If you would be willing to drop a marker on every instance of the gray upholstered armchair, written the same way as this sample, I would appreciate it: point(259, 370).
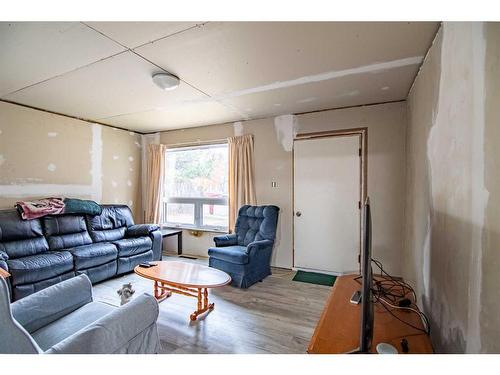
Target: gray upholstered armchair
point(246, 254)
point(63, 319)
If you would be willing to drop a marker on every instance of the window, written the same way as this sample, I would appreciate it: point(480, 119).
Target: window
point(196, 187)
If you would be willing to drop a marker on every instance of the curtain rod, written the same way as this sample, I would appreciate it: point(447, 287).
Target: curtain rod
point(196, 143)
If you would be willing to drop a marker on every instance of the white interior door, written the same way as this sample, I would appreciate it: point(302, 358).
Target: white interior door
point(326, 197)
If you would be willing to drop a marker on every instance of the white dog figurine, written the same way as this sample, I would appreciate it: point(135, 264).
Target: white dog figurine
point(125, 293)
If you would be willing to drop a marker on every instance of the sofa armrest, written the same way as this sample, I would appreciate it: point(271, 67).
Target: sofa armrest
point(140, 230)
point(50, 304)
point(226, 240)
point(258, 245)
point(114, 331)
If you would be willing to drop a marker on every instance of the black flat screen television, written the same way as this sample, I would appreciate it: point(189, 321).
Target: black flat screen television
point(366, 273)
point(366, 331)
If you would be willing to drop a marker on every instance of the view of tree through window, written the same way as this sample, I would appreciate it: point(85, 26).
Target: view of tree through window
point(196, 187)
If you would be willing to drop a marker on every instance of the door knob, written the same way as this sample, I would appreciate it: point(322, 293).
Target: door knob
point(298, 213)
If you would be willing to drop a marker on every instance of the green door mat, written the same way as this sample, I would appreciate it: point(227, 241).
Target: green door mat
point(314, 278)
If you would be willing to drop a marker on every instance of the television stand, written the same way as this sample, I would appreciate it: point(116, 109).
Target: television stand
point(338, 329)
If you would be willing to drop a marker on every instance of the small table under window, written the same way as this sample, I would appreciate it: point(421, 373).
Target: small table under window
point(168, 232)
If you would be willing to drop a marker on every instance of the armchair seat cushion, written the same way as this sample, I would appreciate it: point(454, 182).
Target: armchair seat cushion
point(58, 330)
point(38, 267)
point(93, 255)
point(232, 254)
point(133, 246)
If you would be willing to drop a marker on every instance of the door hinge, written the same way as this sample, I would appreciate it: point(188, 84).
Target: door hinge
point(359, 151)
point(359, 205)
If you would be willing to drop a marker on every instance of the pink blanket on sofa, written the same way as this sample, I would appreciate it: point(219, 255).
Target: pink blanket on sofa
point(42, 207)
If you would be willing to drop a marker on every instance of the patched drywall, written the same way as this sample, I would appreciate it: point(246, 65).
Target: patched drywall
point(273, 163)
point(121, 169)
point(447, 196)
point(286, 129)
point(44, 154)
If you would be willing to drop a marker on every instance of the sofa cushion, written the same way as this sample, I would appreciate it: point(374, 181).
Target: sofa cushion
point(21, 291)
point(232, 254)
point(111, 224)
point(39, 267)
point(65, 231)
point(133, 246)
point(93, 255)
point(100, 273)
point(127, 264)
point(19, 238)
point(57, 331)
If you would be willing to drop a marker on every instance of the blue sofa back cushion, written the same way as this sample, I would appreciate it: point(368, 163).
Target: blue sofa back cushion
point(111, 224)
point(66, 231)
point(256, 223)
point(19, 237)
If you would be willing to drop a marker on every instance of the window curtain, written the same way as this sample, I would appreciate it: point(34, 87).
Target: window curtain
point(155, 182)
point(241, 175)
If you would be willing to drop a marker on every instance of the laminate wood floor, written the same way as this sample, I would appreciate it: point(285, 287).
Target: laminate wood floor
point(277, 315)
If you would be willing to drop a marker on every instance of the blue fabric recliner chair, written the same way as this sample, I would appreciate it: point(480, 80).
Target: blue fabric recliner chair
point(246, 254)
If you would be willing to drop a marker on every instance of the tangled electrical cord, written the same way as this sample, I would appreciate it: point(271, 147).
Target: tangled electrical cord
point(390, 291)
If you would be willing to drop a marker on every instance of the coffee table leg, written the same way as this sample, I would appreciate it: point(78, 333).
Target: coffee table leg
point(203, 304)
point(160, 294)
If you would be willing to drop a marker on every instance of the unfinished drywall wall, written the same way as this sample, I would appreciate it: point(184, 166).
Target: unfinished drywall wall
point(273, 163)
point(44, 154)
point(489, 318)
point(447, 197)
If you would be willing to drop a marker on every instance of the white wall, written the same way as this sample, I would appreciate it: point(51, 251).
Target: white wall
point(273, 162)
point(451, 226)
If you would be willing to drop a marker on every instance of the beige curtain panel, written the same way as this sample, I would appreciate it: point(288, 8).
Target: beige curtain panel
point(241, 175)
point(155, 179)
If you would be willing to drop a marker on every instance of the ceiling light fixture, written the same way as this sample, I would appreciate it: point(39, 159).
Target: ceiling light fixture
point(166, 81)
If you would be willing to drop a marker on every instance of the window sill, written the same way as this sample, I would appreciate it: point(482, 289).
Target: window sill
point(208, 230)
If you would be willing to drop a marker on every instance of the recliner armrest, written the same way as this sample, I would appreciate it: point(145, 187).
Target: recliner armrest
point(50, 304)
point(115, 330)
point(256, 245)
point(140, 230)
point(226, 240)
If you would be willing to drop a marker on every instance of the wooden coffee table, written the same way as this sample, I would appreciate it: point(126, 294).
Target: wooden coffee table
point(188, 279)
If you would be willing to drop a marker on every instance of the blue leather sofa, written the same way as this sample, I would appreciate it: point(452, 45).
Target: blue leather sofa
point(246, 254)
point(42, 252)
point(63, 318)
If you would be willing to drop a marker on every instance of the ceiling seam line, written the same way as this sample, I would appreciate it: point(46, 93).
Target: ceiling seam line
point(132, 50)
point(63, 74)
point(227, 106)
point(170, 35)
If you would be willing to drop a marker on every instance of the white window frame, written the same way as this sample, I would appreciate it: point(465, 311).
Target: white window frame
point(198, 203)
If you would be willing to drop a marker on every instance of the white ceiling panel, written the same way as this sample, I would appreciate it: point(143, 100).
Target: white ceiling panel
point(250, 69)
point(184, 116)
point(35, 51)
point(133, 34)
point(360, 89)
point(229, 56)
point(119, 85)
